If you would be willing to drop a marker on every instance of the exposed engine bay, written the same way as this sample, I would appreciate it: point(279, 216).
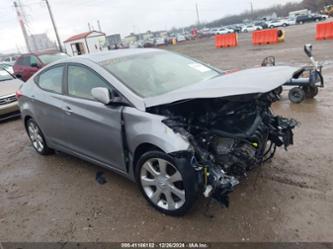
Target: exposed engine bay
point(229, 136)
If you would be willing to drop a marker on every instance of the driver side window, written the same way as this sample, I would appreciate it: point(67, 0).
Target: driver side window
point(33, 60)
point(81, 80)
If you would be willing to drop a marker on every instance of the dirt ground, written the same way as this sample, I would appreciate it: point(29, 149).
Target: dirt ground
point(56, 198)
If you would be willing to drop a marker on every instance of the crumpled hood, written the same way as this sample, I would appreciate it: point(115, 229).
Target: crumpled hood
point(255, 80)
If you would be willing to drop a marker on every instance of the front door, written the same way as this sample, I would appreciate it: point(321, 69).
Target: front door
point(30, 66)
point(92, 129)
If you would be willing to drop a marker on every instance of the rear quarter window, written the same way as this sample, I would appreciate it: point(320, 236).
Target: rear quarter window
point(51, 80)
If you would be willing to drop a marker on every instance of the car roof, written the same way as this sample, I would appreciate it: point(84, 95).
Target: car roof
point(103, 56)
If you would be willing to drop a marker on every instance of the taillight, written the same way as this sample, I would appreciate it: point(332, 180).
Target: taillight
point(18, 94)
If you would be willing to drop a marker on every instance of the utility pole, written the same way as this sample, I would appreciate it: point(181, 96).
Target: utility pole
point(89, 27)
point(252, 11)
point(99, 26)
point(54, 25)
point(197, 10)
point(24, 31)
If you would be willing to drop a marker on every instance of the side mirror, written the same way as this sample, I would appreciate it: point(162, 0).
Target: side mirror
point(34, 65)
point(101, 94)
point(308, 50)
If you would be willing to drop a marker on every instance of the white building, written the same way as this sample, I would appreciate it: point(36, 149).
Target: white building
point(40, 42)
point(85, 43)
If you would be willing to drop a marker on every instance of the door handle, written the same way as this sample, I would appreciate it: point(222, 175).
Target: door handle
point(67, 110)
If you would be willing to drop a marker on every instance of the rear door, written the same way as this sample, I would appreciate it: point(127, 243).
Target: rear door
point(19, 67)
point(47, 103)
point(91, 128)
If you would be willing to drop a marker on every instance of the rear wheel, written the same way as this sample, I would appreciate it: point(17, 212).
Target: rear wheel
point(310, 91)
point(37, 138)
point(167, 186)
point(296, 95)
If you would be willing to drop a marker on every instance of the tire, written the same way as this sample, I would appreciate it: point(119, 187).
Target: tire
point(37, 138)
point(310, 91)
point(168, 185)
point(296, 95)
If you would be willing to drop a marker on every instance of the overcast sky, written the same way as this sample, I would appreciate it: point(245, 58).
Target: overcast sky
point(116, 16)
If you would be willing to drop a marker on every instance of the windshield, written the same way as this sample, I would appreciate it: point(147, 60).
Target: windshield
point(4, 75)
point(156, 73)
point(49, 58)
point(5, 66)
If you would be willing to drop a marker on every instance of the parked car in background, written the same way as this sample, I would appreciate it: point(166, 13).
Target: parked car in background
point(160, 41)
point(205, 32)
point(291, 21)
point(222, 31)
point(236, 28)
point(180, 37)
point(277, 23)
point(310, 18)
point(177, 127)
point(10, 59)
point(28, 64)
point(8, 101)
point(6, 66)
point(251, 27)
point(261, 24)
point(149, 43)
point(213, 31)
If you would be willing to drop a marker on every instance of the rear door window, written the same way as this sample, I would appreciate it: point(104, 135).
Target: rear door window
point(20, 61)
point(51, 80)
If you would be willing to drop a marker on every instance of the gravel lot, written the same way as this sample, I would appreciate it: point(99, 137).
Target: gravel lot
point(56, 198)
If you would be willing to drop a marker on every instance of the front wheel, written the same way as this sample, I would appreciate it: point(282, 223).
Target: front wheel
point(169, 186)
point(296, 95)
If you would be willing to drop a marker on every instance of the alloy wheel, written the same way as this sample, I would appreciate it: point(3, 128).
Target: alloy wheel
point(163, 184)
point(36, 137)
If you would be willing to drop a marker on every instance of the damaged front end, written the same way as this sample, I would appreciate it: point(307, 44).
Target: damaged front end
point(229, 136)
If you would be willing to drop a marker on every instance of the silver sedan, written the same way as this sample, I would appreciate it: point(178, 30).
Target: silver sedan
point(176, 126)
